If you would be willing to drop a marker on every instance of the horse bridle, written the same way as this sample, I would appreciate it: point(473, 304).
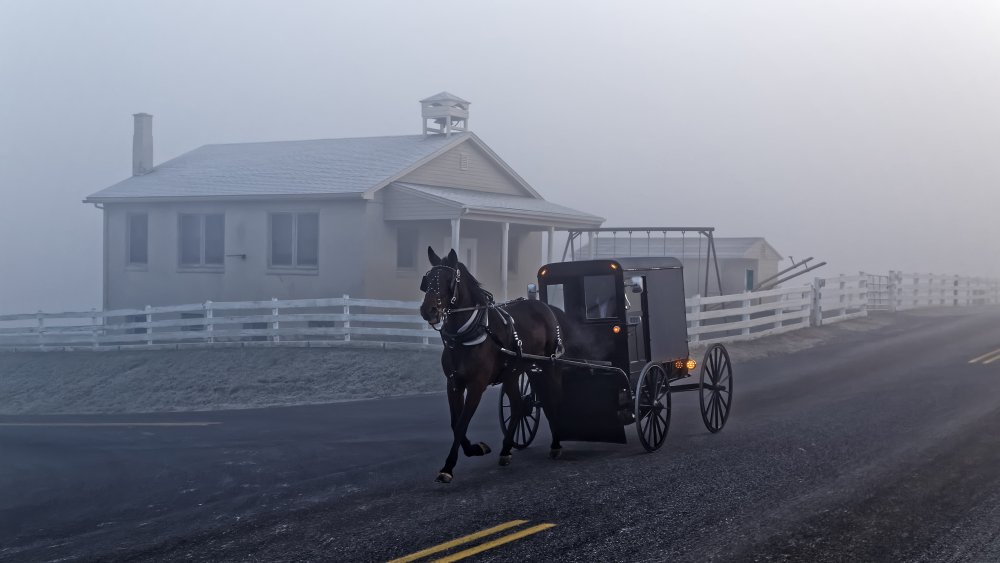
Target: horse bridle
point(433, 283)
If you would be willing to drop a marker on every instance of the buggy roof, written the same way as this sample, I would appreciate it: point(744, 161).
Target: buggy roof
point(648, 263)
point(587, 267)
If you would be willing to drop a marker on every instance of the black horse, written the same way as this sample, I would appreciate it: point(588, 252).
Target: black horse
point(483, 343)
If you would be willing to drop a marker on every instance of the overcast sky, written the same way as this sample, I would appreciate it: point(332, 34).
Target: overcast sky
point(862, 133)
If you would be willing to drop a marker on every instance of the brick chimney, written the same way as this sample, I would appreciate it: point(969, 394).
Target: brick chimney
point(142, 144)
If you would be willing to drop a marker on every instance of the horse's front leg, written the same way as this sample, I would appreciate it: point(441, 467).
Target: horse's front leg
point(460, 427)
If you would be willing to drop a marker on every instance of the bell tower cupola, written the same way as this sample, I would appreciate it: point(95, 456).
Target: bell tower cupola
point(444, 114)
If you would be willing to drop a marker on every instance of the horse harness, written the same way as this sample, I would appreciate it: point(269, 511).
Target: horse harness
point(476, 330)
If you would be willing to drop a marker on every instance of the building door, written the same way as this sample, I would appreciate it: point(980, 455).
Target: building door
point(467, 253)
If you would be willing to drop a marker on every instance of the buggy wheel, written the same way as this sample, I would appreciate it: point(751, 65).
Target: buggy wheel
point(715, 388)
point(652, 407)
point(522, 419)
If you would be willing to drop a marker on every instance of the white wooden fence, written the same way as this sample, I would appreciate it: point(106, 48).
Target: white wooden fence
point(386, 324)
point(300, 322)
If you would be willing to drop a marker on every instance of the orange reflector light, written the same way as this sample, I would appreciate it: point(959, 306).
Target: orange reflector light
point(691, 364)
point(679, 364)
point(616, 329)
point(544, 271)
point(614, 266)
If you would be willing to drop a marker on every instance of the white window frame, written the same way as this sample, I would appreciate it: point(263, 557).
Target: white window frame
point(294, 266)
point(201, 266)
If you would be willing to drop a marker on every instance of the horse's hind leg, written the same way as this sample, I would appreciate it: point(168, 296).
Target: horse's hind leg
point(554, 399)
point(516, 412)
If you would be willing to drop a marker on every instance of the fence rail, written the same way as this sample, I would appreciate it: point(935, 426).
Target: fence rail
point(373, 322)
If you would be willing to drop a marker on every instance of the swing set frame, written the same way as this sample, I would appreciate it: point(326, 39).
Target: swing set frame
point(704, 234)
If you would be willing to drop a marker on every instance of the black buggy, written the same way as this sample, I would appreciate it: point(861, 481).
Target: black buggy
point(626, 330)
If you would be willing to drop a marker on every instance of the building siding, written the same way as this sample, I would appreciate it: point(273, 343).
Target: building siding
point(402, 205)
point(163, 282)
point(482, 172)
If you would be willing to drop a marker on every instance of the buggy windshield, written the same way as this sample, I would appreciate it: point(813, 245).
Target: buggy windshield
point(600, 296)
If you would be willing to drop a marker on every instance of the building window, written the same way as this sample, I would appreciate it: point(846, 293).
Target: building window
point(463, 161)
point(202, 239)
point(294, 240)
point(138, 239)
point(750, 279)
point(406, 248)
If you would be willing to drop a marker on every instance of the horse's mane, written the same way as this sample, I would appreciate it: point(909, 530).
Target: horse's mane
point(480, 296)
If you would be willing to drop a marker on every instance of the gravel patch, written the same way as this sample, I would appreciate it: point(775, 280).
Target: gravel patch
point(209, 379)
point(798, 340)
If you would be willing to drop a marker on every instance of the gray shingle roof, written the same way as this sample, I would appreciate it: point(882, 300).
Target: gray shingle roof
point(494, 202)
point(283, 168)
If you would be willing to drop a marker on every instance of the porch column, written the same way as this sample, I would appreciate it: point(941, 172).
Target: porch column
point(456, 227)
point(552, 245)
point(504, 248)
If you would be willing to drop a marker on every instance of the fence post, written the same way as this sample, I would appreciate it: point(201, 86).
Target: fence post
point(891, 287)
point(863, 289)
point(149, 329)
point(695, 308)
point(779, 313)
point(746, 312)
point(274, 320)
point(41, 330)
point(93, 327)
point(347, 318)
point(209, 324)
point(817, 302)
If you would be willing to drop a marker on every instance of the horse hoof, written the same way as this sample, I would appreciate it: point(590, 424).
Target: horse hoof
point(555, 453)
point(485, 448)
point(443, 478)
point(504, 460)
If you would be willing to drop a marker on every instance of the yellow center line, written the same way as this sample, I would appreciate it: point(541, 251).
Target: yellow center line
point(491, 544)
point(984, 356)
point(99, 424)
point(464, 539)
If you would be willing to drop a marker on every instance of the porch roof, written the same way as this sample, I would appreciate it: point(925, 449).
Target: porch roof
point(455, 203)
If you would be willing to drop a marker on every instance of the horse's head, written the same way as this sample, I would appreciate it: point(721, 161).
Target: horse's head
point(440, 286)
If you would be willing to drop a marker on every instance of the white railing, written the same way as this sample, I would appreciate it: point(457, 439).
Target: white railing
point(748, 315)
point(382, 323)
point(908, 291)
point(300, 322)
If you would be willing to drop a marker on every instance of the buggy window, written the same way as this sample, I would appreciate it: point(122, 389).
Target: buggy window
point(555, 296)
point(600, 297)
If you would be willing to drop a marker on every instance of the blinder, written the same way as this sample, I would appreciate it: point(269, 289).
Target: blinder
point(425, 283)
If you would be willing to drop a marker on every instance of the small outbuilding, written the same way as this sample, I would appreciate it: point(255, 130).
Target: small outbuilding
point(743, 261)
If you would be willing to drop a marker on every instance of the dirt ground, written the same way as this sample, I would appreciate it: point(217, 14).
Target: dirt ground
point(180, 380)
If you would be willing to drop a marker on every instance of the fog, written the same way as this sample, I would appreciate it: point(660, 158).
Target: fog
point(864, 134)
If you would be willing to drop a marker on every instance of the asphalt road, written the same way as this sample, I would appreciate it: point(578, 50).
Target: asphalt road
point(876, 446)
